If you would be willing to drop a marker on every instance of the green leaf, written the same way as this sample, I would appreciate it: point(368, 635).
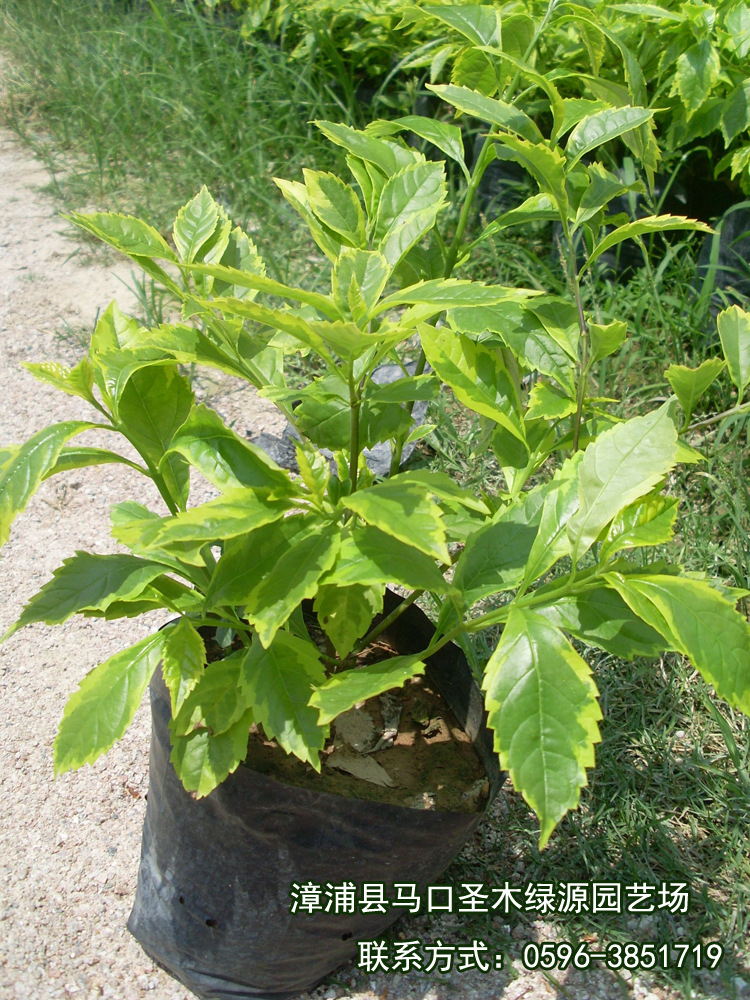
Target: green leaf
point(346, 689)
point(549, 402)
point(546, 166)
point(184, 655)
point(389, 156)
point(560, 319)
point(294, 578)
point(250, 557)
point(362, 274)
point(346, 613)
point(632, 69)
point(448, 293)
point(575, 110)
point(696, 74)
point(102, 708)
point(88, 581)
point(601, 618)
point(235, 512)
point(603, 187)
point(224, 458)
point(441, 485)
point(475, 374)
point(649, 521)
point(525, 333)
point(240, 254)
point(596, 129)
point(735, 113)
point(488, 109)
point(474, 70)
point(537, 208)
point(154, 404)
point(26, 468)
point(125, 233)
point(734, 331)
point(277, 682)
point(314, 470)
point(336, 206)
point(404, 390)
point(561, 502)
point(284, 320)
point(737, 23)
point(738, 160)
point(370, 557)
point(495, 555)
point(272, 569)
point(446, 137)
point(479, 23)
point(370, 180)
point(325, 417)
point(297, 196)
point(542, 705)
point(623, 464)
point(202, 760)
point(544, 82)
point(650, 224)
point(137, 527)
point(689, 384)
point(78, 381)
point(114, 369)
point(195, 224)
point(7, 453)
point(701, 623)
point(216, 700)
point(408, 206)
point(231, 281)
point(402, 509)
point(605, 340)
point(79, 458)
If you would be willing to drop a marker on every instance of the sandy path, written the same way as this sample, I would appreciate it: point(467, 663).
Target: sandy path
point(69, 848)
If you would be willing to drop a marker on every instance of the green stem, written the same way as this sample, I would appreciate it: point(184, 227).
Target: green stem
point(718, 417)
point(355, 401)
point(483, 161)
point(584, 334)
point(386, 622)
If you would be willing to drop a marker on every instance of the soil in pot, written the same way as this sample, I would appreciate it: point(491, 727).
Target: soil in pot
point(405, 748)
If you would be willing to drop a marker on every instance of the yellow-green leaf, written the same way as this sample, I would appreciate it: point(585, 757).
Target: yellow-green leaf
point(277, 682)
point(405, 511)
point(340, 692)
point(102, 708)
point(184, 659)
point(542, 706)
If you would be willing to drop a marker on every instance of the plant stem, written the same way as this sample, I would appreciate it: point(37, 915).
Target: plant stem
point(484, 159)
point(387, 621)
point(583, 330)
point(718, 417)
point(355, 401)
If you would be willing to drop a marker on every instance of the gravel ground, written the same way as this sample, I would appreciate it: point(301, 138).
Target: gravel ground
point(70, 847)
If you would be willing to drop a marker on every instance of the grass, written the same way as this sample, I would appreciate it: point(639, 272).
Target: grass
point(144, 98)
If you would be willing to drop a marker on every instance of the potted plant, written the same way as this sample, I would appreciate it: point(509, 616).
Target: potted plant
point(249, 576)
